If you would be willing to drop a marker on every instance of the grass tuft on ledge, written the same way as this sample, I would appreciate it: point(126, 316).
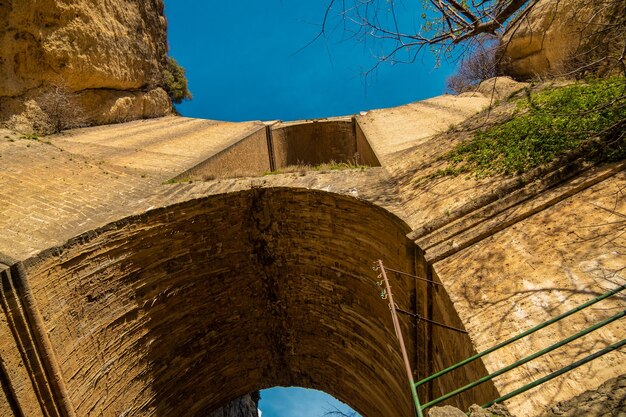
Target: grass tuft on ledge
point(329, 166)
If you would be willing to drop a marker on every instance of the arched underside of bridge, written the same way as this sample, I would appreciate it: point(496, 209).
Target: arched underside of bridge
point(178, 311)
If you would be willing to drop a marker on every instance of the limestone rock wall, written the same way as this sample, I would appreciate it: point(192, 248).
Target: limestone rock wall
point(559, 36)
point(112, 52)
point(245, 406)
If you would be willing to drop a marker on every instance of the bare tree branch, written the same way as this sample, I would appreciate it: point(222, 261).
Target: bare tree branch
point(444, 23)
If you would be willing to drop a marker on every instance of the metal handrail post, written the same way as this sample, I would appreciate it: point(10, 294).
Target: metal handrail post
point(398, 330)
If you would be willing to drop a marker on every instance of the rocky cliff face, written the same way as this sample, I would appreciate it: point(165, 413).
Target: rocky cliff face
point(246, 406)
point(109, 54)
point(561, 36)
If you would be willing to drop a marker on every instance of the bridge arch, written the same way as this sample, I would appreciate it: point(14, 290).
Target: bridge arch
point(184, 308)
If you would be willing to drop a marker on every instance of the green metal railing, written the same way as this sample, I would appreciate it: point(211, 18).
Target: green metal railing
point(420, 408)
point(561, 371)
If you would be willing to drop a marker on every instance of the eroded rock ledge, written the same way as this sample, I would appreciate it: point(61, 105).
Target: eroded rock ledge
point(110, 55)
point(558, 37)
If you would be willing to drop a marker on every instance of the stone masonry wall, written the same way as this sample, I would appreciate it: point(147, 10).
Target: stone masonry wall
point(179, 311)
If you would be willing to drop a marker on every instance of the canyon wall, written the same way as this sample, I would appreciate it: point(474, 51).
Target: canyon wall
point(107, 57)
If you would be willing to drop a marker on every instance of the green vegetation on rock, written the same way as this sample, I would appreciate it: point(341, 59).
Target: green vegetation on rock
point(586, 118)
point(175, 82)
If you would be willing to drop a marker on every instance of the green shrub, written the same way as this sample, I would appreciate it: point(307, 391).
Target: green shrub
point(175, 82)
point(589, 118)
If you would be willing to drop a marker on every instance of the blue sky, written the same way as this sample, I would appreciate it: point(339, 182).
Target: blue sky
point(298, 402)
point(242, 62)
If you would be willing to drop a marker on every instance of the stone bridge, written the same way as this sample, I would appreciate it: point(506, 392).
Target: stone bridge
point(152, 269)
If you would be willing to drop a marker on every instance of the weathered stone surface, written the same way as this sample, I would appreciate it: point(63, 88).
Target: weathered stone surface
point(500, 88)
point(543, 265)
point(114, 52)
point(558, 36)
point(445, 411)
point(154, 309)
point(112, 106)
point(91, 176)
point(609, 399)
point(241, 407)
point(496, 410)
point(402, 128)
point(118, 45)
point(159, 320)
point(292, 146)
